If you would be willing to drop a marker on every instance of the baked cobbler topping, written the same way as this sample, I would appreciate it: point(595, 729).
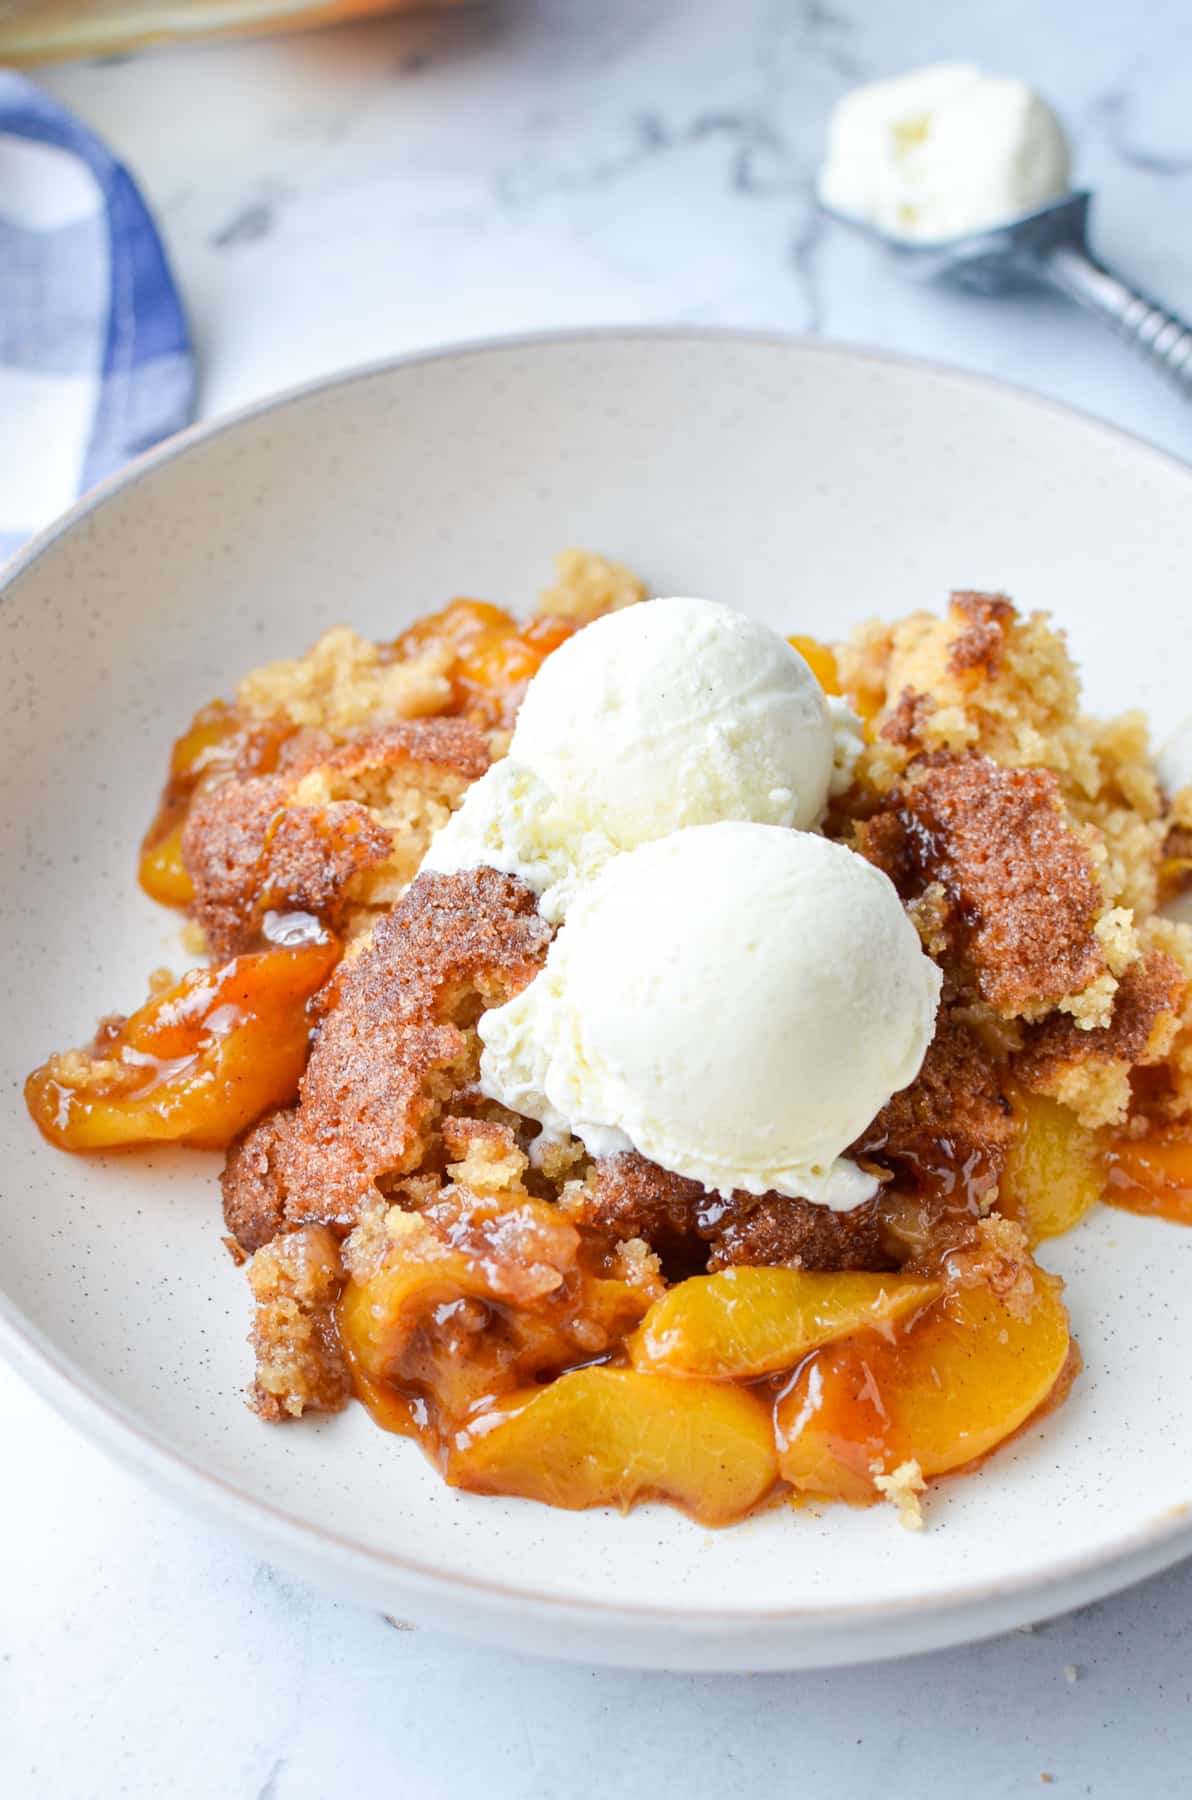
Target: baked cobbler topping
point(493, 1103)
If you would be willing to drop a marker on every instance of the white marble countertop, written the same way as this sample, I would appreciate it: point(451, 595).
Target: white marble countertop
point(344, 196)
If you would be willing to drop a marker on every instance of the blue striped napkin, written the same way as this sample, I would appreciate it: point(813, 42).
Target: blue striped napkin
point(95, 359)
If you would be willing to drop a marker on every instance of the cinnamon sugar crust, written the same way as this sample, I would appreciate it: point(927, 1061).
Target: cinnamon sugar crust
point(905, 723)
point(301, 838)
point(397, 1043)
point(252, 1181)
point(1019, 882)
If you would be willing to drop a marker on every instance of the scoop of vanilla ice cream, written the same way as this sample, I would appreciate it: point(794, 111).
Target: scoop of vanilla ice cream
point(510, 820)
point(677, 712)
point(734, 1001)
point(943, 151)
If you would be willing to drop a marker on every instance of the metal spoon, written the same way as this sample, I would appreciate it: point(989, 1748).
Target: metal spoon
point(1048, 247)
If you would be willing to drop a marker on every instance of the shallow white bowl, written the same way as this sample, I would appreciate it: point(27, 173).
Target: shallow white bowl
point(811, 486)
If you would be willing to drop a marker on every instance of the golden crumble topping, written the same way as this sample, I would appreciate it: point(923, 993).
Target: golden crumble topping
point(345, 682)
point(587, 585)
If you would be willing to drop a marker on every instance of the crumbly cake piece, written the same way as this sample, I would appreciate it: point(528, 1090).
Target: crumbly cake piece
point(397, 1042)
point(346, 683)
point(1164, 1093)
point(484, 1156)
point(904, 1488)
point(1090, 1070)
point(983, 678)
point(300, 1366)
point(1071, 809)
point(1021, 901)
point(587, 585)
point(776, 1232)
point(979, 646)
point(957, 1100)
point(691, 1230)
point(337, 832)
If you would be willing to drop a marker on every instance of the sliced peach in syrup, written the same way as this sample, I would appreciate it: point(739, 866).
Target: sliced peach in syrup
point(1054, 1170)
point(611, 1437)
point(475, 1299)
point(492, 656)
point(195, 1065)
point(963, 1379)
point(380, 1320)
point(742, 1323)
point(1153, 1174)
point(421, 1326)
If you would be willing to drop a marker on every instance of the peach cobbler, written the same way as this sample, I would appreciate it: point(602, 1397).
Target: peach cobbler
point(648, 1052)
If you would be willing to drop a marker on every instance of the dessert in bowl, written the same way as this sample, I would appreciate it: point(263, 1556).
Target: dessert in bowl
point(648, 1051)
point(809, 488)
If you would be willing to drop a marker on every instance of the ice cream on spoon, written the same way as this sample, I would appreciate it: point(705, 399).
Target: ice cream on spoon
point(943, 151)
point(964, 179)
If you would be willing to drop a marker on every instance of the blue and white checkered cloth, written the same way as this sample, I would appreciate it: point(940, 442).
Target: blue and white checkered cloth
point(95, 361)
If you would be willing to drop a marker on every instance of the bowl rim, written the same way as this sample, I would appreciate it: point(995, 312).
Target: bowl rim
point(117, 1429)
point(205, 430)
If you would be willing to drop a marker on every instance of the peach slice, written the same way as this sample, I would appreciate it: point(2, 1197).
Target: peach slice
point(1054, 1170)
point(610, 1437)
point(968, 1374)
point(195, 1065)
point(821, 659)
point(742, 1323)
point(492, 656)
point(162, 872)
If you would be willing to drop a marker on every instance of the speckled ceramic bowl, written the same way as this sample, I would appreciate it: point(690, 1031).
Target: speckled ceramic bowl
point(810, 486)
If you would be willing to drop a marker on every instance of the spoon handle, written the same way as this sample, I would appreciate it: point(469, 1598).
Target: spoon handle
point(1162, 337)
